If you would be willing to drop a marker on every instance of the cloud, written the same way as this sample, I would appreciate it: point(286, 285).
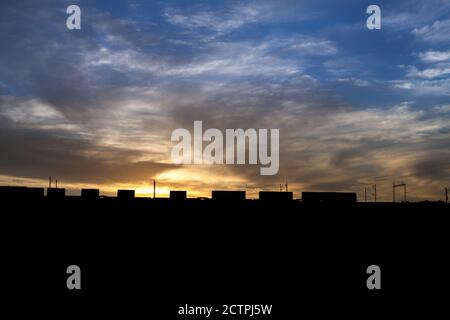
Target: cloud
point(433, 168)
point(354, 81)
point(432, 80)
point(349, 149)
point(37, 154)
point(435, 87)
point(428, 73)
point(214, 21)
point(220, 22)
point(435, 56)
point(404, 15)
point(314, 46)
point(436, 32)
point(31, 112)
point(346, 67)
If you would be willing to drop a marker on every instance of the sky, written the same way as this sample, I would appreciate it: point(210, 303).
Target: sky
point(355, 107)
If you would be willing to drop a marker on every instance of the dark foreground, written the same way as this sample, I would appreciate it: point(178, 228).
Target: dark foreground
point(149, 257)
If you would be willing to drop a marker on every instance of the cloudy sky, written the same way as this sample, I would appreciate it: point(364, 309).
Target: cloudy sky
point(96, 107)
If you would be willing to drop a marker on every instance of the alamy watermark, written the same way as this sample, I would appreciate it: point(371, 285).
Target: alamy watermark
point(190, 150)
point(374, 20)
point(74, 280)
point(73, 22)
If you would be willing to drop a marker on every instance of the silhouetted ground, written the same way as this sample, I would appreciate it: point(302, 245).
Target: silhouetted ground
point(158, 254)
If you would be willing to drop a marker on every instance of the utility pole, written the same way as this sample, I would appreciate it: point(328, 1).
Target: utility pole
point(56, 183)
point(154, 188)
point(404, 190)
point(446, 195)
point(375, 186)
point(281, 187)
point(365, 194)
point(49, 182)
point(286, 185)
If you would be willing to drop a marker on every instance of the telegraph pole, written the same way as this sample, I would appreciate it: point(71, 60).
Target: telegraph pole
point(154, 188)
point(375, 186)
point(446, 195)
point(365, 194)
point(404, 190)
